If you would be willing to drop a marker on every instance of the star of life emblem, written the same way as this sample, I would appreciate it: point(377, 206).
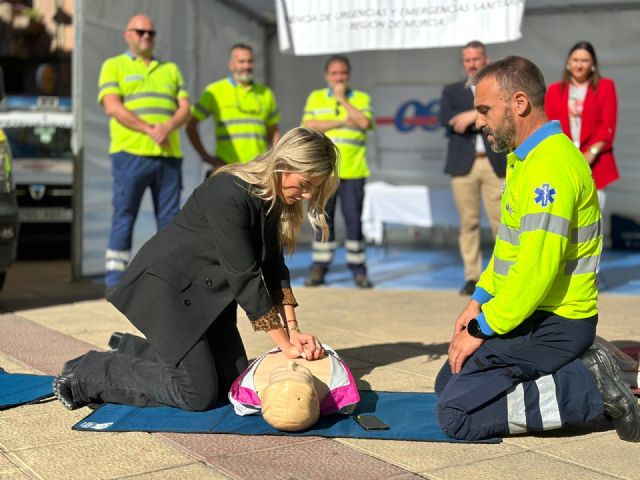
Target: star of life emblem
point(544, 195)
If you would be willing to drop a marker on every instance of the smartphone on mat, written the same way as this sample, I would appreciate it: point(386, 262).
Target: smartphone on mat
point(370, 422)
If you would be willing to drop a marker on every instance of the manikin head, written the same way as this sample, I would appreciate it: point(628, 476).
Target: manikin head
point(290, 401)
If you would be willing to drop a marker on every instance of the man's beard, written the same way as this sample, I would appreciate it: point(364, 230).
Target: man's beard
point(244, 77)
point(504, 137)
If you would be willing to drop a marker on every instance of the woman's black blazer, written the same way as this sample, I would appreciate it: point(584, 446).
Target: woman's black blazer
point(222, 246)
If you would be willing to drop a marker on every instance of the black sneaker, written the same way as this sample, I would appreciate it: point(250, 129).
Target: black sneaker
point(315, 278)
point(468, 288)
point(362, 281)
point(619, 403)
point(62, 391)
point(62, 385)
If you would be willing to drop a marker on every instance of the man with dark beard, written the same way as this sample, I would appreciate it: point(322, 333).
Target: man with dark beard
point(521, 358)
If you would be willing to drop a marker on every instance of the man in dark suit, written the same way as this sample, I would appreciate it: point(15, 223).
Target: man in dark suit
point(476, 171)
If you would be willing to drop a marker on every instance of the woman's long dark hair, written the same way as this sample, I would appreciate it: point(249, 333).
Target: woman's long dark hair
point(594, 78)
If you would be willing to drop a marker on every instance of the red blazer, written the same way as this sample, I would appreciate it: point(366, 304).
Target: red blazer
point(599, 117)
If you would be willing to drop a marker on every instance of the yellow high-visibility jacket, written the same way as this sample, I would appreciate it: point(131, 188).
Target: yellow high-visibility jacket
point(151, 92)
point(351, 141)
point(550, 237)
point(242, 117)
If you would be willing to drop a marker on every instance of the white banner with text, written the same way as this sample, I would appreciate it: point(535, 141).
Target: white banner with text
point(313, 27)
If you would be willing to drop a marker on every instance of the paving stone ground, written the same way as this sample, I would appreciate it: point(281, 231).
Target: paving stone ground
point(393, 340)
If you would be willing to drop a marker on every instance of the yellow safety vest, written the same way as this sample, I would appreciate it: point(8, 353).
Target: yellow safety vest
point(241, 115)
point(550, 237)
point(151, 92)
point(351, 141)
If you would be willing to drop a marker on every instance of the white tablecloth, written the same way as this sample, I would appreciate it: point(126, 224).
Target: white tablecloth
point(403, 205)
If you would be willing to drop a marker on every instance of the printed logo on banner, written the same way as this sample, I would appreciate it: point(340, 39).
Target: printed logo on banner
point(410, 140)
point(414, 114)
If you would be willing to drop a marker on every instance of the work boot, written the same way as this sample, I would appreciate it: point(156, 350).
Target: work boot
point(315, 278)
point(468, 288)
point(619, 402)
point(362, 281)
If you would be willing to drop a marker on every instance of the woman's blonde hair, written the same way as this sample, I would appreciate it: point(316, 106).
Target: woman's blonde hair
point(302, 150)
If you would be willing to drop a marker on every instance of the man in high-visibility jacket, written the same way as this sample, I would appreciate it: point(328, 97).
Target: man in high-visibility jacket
point(521, 358)
point(245, 113)
point(345, 116)
point(147, 102)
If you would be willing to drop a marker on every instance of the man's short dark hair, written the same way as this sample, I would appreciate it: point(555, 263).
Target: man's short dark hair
point(515, 74)
point(240, 46)
point(475, 44)
point(337, 58)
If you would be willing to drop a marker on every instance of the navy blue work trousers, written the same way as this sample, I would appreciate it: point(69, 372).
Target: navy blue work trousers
point(528, 380)
point(351, 196)
point(132, 175)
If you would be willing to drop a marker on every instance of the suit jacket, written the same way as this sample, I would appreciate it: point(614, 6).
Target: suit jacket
point(222, 246)
point(461, 151)
point(599, 117)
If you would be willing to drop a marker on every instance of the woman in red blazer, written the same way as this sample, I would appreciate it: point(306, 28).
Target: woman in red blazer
point(587, 105)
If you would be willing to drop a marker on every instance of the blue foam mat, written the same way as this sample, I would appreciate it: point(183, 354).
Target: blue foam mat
point(21, 388)
point(410, 416)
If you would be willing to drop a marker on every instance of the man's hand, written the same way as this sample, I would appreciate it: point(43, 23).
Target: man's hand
point(339, 90)
point(160, 132)
point(462, 346)
point(462, 121)
point(472, 310)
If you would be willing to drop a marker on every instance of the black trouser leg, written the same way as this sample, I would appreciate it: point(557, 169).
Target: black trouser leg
point(204, 374)
point(139, 347)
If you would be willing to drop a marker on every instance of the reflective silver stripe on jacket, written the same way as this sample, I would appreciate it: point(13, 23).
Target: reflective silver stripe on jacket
point(545, 221)
point(586, 233)
point(319, 111)
point(501, 266)
point(582, 265)
point(136, 96)
point(109, 84)
point(201, 109)
point(349, 129)
point(242, 135)
point(153, 110)
point(239, 121)
point(508, 234)
point(349, 141)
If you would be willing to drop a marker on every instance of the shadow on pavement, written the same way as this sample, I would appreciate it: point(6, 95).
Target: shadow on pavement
point(382, 354)
point(44, 283)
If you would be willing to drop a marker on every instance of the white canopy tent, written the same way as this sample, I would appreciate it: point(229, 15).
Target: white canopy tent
point(197, 34)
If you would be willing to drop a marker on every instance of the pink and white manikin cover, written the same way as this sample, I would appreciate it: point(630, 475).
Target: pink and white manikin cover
point(343, 395)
